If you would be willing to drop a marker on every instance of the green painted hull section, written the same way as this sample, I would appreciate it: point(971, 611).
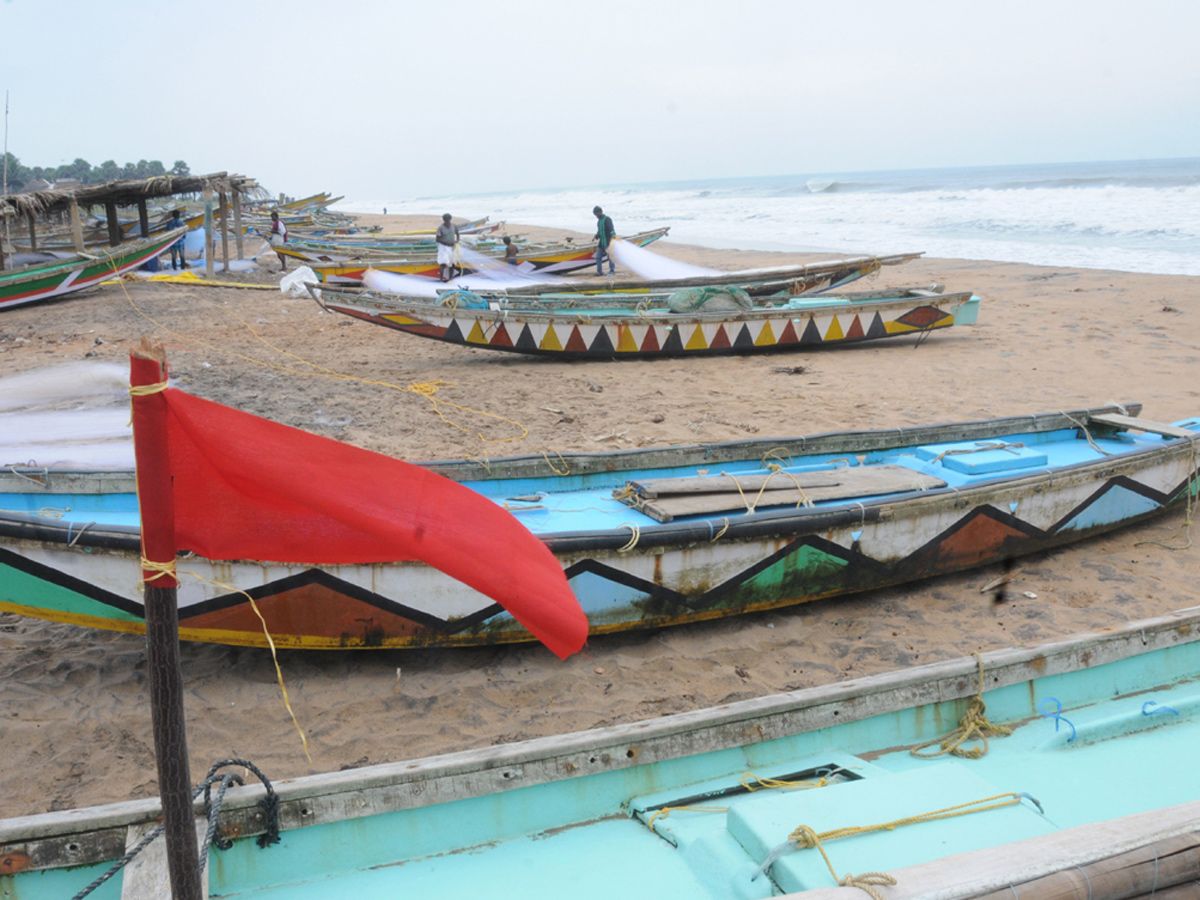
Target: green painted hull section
point(22, 589)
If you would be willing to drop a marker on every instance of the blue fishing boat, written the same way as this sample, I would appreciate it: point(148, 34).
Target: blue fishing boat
point(1056, 771)
point(647, 538)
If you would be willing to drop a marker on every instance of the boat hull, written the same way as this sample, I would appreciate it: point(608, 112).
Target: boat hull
point(584, 334)
point(694, 804)
point(44, 282)
point(626, 577)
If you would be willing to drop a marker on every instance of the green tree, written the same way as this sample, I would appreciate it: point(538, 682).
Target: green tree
point(108, 170)
point(181, 169)
point(18, 175)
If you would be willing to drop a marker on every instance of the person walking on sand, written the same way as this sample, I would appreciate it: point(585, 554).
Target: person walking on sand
point(447, 245)
point(177, 247)
point(278, 237)
point(604, 238)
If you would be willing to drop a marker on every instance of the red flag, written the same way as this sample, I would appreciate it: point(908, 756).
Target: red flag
point(248, 488)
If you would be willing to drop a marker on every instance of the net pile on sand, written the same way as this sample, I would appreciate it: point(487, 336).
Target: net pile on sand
point(71, 416)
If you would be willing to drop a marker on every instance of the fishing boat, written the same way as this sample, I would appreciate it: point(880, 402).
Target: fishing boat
point(647, 538)
point(549, 258)
point(804, 278)
point(57, 276)
point(689, 322)
point(1064, 770)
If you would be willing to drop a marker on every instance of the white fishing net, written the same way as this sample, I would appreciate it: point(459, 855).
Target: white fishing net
point(651, 266)
point(491, 276)
point(74, 415)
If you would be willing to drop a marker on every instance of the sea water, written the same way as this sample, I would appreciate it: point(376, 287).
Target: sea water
point(1135, 215)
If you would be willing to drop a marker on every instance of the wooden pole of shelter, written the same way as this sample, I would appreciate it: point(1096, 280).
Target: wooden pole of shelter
point(114, 226)
point(143, 218)
point(147, 369)
point(237, 223)
point(208, 230)
point(76, 227)
point(223, 202)
point(32, 232)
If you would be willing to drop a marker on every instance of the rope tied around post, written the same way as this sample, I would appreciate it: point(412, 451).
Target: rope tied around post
point(212, 810)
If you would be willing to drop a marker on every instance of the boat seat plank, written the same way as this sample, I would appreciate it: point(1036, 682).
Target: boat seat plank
point(1131, 422)
point(670, 498)
point(147, 874)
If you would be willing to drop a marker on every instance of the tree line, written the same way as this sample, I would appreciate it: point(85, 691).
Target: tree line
point(22, 176)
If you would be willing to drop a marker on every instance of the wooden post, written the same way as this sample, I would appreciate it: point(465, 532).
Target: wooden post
point(114, 227)
point(32, 233)
point(223, 200)
point(76, 227)
point(143, 218)
point(237, 223)
point(208, 230)
point(151, 452)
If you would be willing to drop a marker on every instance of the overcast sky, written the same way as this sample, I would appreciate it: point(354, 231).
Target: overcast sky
point(410, 98)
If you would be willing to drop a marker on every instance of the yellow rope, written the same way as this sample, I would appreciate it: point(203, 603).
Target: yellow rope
point(160, 569)
point(752, 782)
point(274, 655)
point(633, 541)
point(805, 837)
point(974, 725)
point(667, 810)
point(566, 470)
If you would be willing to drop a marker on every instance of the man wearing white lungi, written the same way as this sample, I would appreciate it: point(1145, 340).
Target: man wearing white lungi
point(447, 243)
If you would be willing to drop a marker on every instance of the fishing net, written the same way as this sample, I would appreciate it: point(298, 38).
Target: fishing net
point(711, 298)
point(651, 266)
point(74, 416)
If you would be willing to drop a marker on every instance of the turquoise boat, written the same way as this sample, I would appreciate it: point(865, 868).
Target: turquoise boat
point(1085, 784)
point(647, 538)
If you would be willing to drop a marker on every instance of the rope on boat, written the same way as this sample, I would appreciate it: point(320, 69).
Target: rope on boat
point(270, 642)
point(212, 811)
point(1082, 426)
point(980, 447)
point(633, 541)
point(805, 837)
point(41, 481)
point(974, 725)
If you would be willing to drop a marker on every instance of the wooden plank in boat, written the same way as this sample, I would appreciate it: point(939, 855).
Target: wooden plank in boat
point(843, 484)
point(1131, 422)
point(872, 479)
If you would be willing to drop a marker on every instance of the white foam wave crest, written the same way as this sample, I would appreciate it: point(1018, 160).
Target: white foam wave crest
point(653, 266)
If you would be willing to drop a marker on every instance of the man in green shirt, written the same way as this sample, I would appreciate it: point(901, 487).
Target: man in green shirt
point(604, 238)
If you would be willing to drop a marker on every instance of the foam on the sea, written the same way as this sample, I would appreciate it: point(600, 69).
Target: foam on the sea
point(1136, 216)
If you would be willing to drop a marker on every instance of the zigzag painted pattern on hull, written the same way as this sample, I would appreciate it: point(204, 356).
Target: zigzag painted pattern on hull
point(653, 338)
point(318, 609)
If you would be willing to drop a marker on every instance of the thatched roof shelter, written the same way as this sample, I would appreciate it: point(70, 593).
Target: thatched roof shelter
point(130, 192)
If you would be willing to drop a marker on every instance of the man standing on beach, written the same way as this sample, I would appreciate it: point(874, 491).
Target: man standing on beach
point(177, 247)
point(278, 237)
point(447, 243)
point(604, 238)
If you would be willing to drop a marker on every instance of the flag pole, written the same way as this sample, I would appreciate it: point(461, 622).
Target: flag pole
point(147, 378)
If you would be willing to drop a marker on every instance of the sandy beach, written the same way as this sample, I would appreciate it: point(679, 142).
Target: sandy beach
point(74, 713)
